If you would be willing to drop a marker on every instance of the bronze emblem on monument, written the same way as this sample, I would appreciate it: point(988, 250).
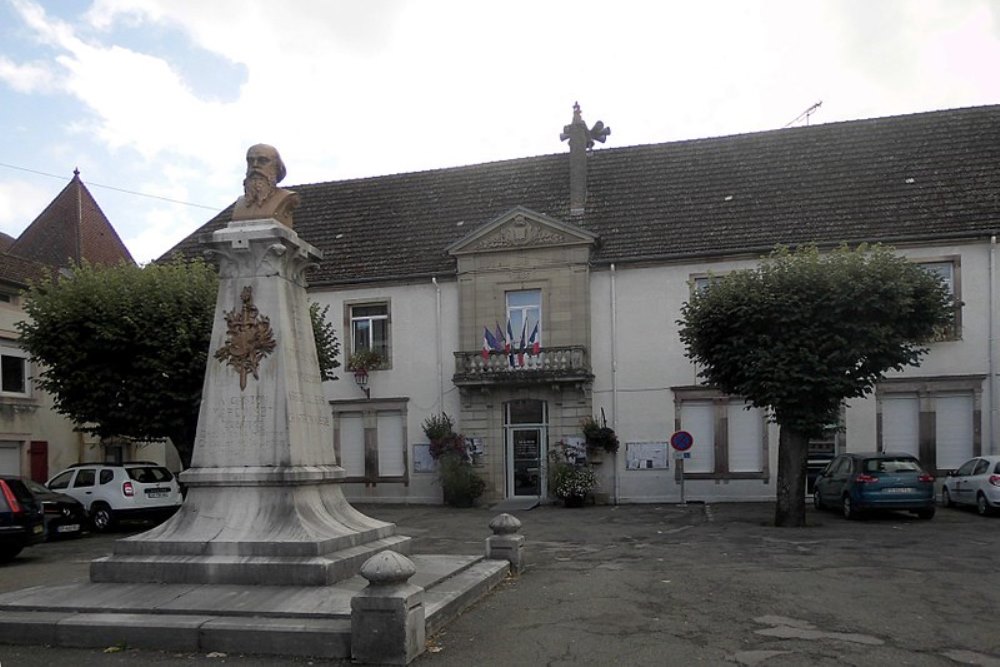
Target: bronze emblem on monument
point(249, 340)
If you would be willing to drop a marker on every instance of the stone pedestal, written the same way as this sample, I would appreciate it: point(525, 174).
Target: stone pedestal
point(387, 617)
point(505, 543)
point(264, 504)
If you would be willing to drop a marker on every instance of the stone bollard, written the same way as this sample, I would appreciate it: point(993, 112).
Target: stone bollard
point(387, 616)
point(506, 544)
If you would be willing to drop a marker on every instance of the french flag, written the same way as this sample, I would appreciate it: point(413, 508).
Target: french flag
point(501, 341)
point(533, 342)
point(489, 343)
point(509, 345)
point(521, 348)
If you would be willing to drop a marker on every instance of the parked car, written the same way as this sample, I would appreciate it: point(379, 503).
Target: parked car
point(858, 482)
point(64, 515)
point(112, 492)
point(976, 482)
point(21, 521)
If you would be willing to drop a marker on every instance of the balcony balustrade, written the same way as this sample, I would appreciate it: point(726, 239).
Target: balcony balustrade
point(550, 365)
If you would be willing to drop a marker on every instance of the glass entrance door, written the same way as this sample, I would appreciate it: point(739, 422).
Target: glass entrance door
point(526, 461)
point(526, 429)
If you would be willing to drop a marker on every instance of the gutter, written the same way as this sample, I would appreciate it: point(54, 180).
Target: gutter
point(991, 293)
point(614, 378)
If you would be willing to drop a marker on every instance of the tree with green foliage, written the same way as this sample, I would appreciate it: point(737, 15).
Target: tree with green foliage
point(122, 350)
point(804, 332)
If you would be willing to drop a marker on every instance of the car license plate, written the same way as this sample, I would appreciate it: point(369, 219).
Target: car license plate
point(156, 494)
point(68, 528)
point(898, 490)
point(38, 529)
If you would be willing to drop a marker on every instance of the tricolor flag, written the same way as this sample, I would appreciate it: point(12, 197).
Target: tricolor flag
point(509, 346)
point(489, 343)
point(521, 347)
point(501, 341)
point(533, 342)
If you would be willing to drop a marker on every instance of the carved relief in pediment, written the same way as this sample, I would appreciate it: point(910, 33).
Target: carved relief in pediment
point(520, 232)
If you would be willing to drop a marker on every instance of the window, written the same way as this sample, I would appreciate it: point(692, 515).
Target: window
point(370, 441)
point(730, 440)
point(947, 270)
point(85, 478)
point(933, 419)
point(524, 313)
point(13, 372)
point(61, 481)
point(370, 329)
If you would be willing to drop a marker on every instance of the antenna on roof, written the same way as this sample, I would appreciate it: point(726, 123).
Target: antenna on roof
point(805, 114)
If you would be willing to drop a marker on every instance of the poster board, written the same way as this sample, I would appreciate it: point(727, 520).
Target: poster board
point(422, 459)
point(647, 456)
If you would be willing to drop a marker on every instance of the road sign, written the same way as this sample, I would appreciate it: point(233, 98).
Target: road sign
point(681, 441)
point(680, 456)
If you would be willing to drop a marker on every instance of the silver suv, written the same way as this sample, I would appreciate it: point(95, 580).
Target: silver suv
point(114, 491)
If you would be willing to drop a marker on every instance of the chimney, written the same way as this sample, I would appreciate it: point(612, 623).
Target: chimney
point(581, 140)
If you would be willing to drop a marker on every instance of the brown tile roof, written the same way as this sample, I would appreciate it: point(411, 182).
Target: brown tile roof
point(16, 271)
point(902, 178)
point(70, 229)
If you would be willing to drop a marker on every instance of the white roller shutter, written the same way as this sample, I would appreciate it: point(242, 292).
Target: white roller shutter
point(352, 444)
point(954, 430)
point(698, 419)
point(746, 438)
point(10, 457)
point(901, 424)
point(391, 462)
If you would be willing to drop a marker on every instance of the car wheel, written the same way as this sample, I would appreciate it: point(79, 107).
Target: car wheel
point(102, 517)
point(946, 498)
point(982, 506)
point(847, 507)
point(9, 553)
point(926, 514)
point(817, 503)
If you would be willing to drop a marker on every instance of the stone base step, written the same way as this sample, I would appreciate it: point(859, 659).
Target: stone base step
point(270, 620)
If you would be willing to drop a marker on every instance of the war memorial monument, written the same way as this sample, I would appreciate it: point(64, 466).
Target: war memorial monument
point(265, 555)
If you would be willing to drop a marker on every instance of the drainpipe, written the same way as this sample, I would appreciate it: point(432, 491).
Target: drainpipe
point(614, 375)
point(437, 336)
point(994, 399)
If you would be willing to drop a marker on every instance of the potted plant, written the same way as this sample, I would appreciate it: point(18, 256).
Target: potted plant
point(461, 485)
point(599, 436)
point(570, 480)
point(363, 361)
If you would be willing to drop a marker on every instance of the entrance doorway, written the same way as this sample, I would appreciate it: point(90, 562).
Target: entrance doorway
point(526, 427)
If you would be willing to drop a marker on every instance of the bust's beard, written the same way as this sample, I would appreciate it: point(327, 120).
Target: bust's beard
point(257, 189)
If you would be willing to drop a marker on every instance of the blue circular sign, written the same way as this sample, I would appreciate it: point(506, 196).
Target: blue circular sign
point(681, 441)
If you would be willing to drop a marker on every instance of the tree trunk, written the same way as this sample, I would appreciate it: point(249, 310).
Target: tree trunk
point(793, 455)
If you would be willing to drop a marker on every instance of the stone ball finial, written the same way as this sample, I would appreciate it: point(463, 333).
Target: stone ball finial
point(387, 568)
point(505, 524)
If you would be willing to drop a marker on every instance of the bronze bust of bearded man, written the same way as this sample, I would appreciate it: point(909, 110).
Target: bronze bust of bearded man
point(262, 197)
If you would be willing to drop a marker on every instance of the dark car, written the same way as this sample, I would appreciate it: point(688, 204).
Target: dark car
point(64, 515)
point(859, 482)
point(21, 521)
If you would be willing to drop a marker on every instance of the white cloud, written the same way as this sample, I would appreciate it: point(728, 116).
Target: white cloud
point(27, 77)
point(20, 203)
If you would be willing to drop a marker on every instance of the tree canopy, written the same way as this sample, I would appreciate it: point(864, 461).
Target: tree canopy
point(806, 331)
point(123, 349)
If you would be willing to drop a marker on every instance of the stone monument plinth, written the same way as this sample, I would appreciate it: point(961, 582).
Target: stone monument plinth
point(264, 504)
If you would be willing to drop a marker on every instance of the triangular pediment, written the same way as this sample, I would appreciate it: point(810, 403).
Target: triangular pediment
point(521, 228)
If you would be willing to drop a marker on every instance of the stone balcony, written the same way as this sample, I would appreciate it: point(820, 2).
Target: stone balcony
point(552, 365)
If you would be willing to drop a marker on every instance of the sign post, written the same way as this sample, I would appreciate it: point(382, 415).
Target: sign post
point(681, 441)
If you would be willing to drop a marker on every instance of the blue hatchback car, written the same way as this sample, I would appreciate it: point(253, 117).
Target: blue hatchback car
point(858, 482)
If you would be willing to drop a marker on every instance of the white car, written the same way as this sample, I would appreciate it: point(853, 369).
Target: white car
point(976, 482)
point(114, 491)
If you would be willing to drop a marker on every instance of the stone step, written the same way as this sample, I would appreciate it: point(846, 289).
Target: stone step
point(270, 620)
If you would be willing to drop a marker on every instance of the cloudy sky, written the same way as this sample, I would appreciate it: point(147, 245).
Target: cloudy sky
point(163, 97)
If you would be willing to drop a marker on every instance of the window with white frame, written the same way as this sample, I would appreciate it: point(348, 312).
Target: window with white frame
point(934, 419)
point(524, 314)
point(948, 271)
point(369, 324)
point(730, 437)
point(14, 367)
point(370, 440)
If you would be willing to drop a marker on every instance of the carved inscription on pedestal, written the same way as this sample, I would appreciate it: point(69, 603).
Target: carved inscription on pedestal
point(248, 340)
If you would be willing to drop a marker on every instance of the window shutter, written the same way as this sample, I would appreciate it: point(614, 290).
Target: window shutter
point(746, 438)
point(391, 461)
point(901, 424)
point(954, 430)
point(352, 444)
point(698, 419)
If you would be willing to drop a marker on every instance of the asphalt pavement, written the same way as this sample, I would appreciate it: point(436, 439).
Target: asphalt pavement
point(667, 585)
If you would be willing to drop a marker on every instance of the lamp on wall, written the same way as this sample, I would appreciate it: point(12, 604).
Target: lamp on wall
point(361, 379)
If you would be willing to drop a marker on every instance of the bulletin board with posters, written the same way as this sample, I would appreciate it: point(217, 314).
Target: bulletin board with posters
point(647, 456)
